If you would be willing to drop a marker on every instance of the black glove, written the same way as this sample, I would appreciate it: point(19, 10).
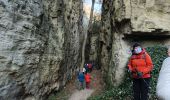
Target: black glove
point(139, 74)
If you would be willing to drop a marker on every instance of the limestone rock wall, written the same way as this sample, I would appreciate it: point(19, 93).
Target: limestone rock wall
point(127, 21)
point(106, 37)
point(144, 15)
point(40, 42)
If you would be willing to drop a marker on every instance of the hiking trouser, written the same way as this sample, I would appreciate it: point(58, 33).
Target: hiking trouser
point(87, 85)
point(141, 88)
point(81, 84)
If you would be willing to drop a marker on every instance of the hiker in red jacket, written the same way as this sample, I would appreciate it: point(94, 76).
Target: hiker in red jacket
point(90, 67)
point(88, 80)
point(140, 65)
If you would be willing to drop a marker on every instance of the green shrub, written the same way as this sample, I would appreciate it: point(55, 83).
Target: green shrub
point(124, 91)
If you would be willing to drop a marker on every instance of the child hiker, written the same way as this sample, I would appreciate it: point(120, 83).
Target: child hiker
point(81, 80)
point(88, 80)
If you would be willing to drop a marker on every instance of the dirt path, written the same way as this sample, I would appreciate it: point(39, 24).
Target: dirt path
point(71, 91)
point(81, 95)
point(96, 87)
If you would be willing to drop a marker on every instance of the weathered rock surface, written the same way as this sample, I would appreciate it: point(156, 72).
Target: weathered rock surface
point(144, 15)
point(126, 21)
point(41, 41)
point(39, 46)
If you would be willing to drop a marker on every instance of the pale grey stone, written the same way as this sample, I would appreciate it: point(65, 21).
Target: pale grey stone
point(39, 46)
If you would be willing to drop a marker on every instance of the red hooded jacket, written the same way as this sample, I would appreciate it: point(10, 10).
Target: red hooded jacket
point(142, 63)
point(87, 77)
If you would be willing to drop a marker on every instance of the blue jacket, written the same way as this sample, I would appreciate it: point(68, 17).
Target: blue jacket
point(81, 77)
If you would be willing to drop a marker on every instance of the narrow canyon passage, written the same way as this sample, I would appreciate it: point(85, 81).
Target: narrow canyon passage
point(43, 43)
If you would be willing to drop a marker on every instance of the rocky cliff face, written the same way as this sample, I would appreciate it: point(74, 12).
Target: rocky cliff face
point(127, 21)
point(39, 46)
point(41, 41)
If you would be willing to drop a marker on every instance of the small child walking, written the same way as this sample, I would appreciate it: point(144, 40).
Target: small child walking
point(81, 80)
point(88, 80)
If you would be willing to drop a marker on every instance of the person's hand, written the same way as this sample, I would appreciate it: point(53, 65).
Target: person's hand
point(139, 74)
